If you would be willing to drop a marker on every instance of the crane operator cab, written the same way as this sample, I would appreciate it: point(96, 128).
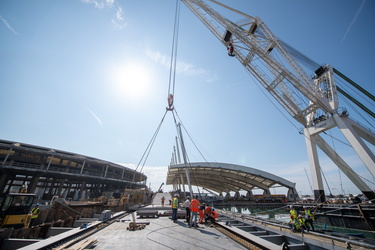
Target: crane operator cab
point(230, 49)
point(15, 210)
point(228, 39)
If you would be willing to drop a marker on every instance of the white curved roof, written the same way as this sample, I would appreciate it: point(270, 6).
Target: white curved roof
point(224, 177)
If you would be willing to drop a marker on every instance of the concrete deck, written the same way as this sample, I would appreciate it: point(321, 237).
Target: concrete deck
point(161, 233)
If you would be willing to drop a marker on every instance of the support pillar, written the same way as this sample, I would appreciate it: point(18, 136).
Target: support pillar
point(183, 185)
point(315, 168)
point(81, 191)
point(62, 182)
point(10, 184)
point(3, 182)
point(33, 184)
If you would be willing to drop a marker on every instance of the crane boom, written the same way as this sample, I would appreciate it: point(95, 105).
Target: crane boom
point(264, 56)
point(302, 96)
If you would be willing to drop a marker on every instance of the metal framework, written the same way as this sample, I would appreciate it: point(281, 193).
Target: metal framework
point(302, 96)
point(49, 172)
point(225, 178)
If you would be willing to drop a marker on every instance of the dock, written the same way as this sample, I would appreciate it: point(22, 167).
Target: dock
point(151, 227)
point(160, 233)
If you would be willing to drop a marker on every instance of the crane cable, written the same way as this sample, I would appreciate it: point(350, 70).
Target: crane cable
point(146, 153)
point(151, 143)
point(171, 86)
point(172, 80)
point(173, 65)
point(188, 163)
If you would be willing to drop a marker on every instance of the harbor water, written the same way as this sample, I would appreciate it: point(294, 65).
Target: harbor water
point(281, 214)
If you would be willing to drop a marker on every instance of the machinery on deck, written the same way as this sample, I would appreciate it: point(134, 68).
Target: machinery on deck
point(15, 210)
point(160, 190)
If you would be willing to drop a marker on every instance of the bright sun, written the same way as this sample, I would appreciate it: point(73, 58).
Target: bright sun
point(131, 80)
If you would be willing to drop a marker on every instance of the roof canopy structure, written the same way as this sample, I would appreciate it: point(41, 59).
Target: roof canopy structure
point(224, 177)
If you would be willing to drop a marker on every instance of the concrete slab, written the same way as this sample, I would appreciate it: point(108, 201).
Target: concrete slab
point(161, 233)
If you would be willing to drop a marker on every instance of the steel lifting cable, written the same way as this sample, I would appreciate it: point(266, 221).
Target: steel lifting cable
point(183, 149)
point(148, 149)
point(173, 65)
point(175, 114)
point(151, 143)
point(195, 145)
point(171, 85)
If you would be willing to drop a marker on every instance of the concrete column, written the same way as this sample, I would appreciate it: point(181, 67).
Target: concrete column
point(315, 167)
point(183, 185)
point(51, 187)
point(249, 194)
point(67, 190)
point(237, 195)
point(3, 182)
point(33, 184)
point(266, 192)
point(61, 186)
point(81, 190)
point(227, 196)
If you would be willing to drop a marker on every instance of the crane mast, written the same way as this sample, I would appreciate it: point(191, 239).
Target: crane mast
point(301, 95)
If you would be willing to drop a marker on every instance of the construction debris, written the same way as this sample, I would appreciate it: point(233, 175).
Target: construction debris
point(135, 226)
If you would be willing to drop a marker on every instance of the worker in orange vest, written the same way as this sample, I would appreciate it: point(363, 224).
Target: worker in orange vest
point(194, 208)
point(201, 212)
point(215, 215)
point(208, 214)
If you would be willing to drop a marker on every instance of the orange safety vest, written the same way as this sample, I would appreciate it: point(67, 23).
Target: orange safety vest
point(208, 210)
point(194, 205)
point(215, 215)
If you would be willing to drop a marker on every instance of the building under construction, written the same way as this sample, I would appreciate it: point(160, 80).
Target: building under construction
point(50, 172)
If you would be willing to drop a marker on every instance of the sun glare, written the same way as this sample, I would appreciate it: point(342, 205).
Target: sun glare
point(131, 80)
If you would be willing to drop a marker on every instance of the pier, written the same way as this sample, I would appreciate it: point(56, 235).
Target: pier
point(151, 227)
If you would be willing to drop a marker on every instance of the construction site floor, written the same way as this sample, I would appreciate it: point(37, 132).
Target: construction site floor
point(161, 233)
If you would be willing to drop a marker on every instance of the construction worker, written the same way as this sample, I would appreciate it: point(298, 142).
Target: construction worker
point(309, 218)
point(194, 208)
point(201, 213)
point(293, 218)
point(187, 209)
point(34, 215)
point(230, 49)
point(300, 224)
point(174, 208)
point(162, 201)
point(215, 215)
point(208, 214)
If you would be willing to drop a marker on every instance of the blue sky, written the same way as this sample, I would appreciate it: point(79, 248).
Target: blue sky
point(91, 77)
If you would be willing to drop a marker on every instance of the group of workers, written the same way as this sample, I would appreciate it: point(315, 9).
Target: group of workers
point(194, 209)
point(301, 222)
point(205, 213)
